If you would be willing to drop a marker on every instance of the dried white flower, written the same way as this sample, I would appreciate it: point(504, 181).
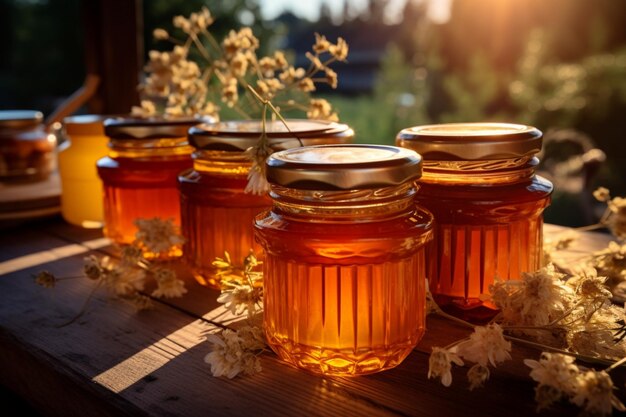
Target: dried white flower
point(235, 352)
point(160, 34)
point(477, 376)
point(617, 219)
point(594, 392)
point(602, 194)
point(46, 279)
point(123, 279)
point(157, 235)
point(169, 286)
point(555, 370)
point(485, 345)
point(92, 268)
point(440, 364)
point(240, 298)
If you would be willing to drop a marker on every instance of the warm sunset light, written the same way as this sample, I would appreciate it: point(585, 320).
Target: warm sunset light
point(383, 208)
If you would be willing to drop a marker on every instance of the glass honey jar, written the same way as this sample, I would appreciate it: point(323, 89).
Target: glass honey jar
point(139, 175)
point(216, 211)
point(479, 182)
point(81, 198)
point(345, 263)
point(26, 149)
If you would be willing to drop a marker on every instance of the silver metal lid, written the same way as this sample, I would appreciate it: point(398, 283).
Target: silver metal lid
point(20, 119)
point(471, 141)
point(239, 135)
point(343, 167)
point(150, 128)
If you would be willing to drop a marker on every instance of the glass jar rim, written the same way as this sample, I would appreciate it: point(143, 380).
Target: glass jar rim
point(471, 141)
point(137, 128)
point(239, 135)
point(20, 119)
point(85, 124)
point(343, 167)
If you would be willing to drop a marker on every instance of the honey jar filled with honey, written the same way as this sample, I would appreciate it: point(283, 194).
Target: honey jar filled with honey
point(216, 211)
point(479, 182)
point(26, 148)
point(140, 173)
point(345, 263)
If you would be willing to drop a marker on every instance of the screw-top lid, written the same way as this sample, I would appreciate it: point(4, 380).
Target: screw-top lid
point(471, 141)
point(239, 135)
point(343, 167)
point(150, 128)
point(19, 119)
point(85, 124)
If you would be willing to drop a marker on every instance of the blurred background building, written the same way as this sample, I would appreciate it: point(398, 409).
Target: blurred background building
point(559, 65)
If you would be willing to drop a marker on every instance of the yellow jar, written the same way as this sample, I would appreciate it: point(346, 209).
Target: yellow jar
point(140, 174)
point(216, 211)
point(345, 266)
point(479, 182)
point(26, 149)
point(81, 198)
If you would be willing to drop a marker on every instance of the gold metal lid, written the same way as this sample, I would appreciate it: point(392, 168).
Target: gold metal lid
point(471, 141)
point(20, 119)
point(239, 135)
point(343, 167)
point(85, 124)
point(150, 128)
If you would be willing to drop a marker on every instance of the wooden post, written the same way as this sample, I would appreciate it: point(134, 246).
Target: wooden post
point(113, 52)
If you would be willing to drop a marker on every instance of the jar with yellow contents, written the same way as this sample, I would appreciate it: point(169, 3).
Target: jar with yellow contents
point(81, 197)
point(344, 273)
point(216, 210)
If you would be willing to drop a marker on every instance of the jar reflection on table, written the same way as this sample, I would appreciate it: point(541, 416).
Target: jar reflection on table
point(81, 198)
point(140, 174)
point(26, 149)
point(345, 267)
point(479, 182)
point(217, 213)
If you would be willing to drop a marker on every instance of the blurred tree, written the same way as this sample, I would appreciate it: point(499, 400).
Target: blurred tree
point(42, 52)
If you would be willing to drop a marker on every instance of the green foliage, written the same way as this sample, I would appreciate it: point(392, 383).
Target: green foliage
point(398, 101)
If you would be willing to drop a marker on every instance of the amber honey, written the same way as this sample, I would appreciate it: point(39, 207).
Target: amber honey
point(344, 272)
point(479, 182)
point(217, 213)
point(140, 175)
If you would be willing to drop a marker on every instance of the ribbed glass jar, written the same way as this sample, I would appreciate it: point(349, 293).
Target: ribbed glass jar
point(345, 263)
point(479, 182)
point(216, 212)
point(81, 197)
point(26, 149)
point(140, 174)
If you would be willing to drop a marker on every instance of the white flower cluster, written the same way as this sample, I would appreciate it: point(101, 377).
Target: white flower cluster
point(235, 351)
point(559, 378)
point(176, 85)
point(486, 346)
point(157, 236)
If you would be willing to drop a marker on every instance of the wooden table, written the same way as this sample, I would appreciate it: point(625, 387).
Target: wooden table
point(114, 361)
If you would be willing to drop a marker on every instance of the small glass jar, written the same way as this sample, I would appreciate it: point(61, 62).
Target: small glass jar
point(479, 182)
point(26, 149)
point(345, 268)
point(216, 212)
point(140, 174)
point(81, 198)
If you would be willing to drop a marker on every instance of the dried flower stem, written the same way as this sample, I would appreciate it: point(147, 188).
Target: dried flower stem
point(83, 309)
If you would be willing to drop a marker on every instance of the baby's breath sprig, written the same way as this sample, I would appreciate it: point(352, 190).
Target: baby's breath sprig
point(568, 316)
point(126, 278)
point(235, 352)
point(199, 72)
